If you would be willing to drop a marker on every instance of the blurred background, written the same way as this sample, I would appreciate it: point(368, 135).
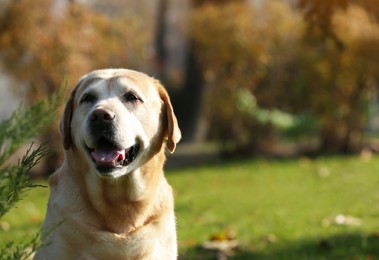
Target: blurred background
point(246, 77)
point(250, 80)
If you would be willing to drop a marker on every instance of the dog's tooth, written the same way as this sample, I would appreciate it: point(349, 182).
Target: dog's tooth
point(121, 156)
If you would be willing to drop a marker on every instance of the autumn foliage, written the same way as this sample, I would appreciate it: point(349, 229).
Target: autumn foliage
point(291, 59)
point(41, 43)
point(269, 68)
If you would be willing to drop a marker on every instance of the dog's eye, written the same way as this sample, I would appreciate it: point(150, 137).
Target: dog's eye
point(88, 98)
point(131, 97)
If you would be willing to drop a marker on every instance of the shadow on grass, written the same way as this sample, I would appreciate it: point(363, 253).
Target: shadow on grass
point(343, 246)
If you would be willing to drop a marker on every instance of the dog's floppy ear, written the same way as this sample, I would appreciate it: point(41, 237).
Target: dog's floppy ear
point(171, 125)
point(65, 125)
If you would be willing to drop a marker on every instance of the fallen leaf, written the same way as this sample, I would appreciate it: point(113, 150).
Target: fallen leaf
point(342, 220)
point(5, 226)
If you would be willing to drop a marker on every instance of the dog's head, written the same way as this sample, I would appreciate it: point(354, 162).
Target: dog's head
point(115, 118)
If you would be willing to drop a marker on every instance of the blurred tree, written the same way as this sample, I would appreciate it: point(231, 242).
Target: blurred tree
point(324, 68)
point(338, 57)
point(319, 14)
point(198, 3)
point(253, 52)
point(42, 41)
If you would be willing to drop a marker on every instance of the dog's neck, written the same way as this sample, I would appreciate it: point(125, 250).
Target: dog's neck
point(129, 202)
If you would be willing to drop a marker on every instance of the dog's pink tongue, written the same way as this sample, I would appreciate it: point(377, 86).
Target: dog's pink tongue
point(107, 157)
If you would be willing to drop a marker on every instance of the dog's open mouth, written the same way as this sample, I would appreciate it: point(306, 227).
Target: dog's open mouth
point(107, 156)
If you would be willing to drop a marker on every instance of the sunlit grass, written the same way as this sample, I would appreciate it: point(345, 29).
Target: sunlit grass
point(276, 209)
point(26, 218)
point(281, 209)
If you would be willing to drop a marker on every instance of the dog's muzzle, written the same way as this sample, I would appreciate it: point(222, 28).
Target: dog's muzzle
point(107, 154)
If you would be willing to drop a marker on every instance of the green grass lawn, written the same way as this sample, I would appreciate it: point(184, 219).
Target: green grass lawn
point(276, 209)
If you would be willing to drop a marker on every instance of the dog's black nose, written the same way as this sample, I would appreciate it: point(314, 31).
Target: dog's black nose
point(102, 116)
point(102, 123)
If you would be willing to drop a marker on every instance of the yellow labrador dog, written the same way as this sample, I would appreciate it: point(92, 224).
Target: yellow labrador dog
point(110, 193)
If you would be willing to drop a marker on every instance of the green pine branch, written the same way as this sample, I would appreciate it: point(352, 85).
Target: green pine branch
point(14, 179)
point(24, 250)
point(25, 123)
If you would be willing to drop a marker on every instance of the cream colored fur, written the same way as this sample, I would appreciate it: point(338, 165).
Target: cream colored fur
point(128, 213)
